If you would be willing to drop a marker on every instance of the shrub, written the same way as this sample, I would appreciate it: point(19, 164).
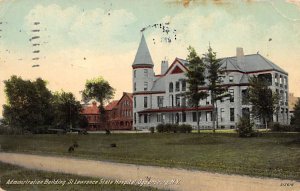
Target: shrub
point(151, 129)
point(7, 130)
point(185, 128)
point(160, 128)
point(282, 128)
point(168, 128)
point(175, 128)
point(244, 127)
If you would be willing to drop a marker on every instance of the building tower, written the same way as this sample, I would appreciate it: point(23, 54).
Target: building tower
point(143, 77)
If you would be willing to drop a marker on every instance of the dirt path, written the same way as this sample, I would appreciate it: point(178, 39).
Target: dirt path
point(189, 180)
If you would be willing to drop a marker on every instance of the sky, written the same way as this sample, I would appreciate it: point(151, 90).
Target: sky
point(80, 39)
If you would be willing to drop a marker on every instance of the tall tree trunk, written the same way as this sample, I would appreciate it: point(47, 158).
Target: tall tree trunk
point(102, 115)
point(198, 121)
point(213, 114)
point(266, 123)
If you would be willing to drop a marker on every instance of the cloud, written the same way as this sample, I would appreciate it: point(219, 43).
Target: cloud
point(74, 26)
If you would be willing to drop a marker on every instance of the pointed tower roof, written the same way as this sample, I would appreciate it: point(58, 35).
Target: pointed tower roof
point(143, 56)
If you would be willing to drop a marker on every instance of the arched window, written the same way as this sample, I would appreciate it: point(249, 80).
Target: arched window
point(171, 87)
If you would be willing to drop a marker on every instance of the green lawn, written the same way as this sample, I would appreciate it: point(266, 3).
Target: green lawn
point(271, 155)
point(9, 172)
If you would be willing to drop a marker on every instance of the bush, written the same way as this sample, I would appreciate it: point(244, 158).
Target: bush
point(282, 128)
point(168, 128)
point(40, 130)
point(245, 127)
point(7, 130)
point(184, 128)
point(160, 128)
point(151, 129)
point(175, 128)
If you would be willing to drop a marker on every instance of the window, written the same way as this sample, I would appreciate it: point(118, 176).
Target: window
point(230, 78)
point(231, 92)
point(183, 117)
point(183, 84)
point(145, 72)
point(276, 79)
point(222, 114)
point(245, 97)
point(280, 80)
point(134, 102)
point(171, 87)
point(177, 118)
point(266, 77)
point(177, 87)
point(134, 73)
point(145, 86)
point(221, 79)
point(246, 113)
point(145, 118)
point(183, 101)
point(231, 114)
point(134, 86)
point(140, 118)
point(207, 101)
point(285, 82)
point(171, 100)
point(208, 116)
point(194, 116)
point(160, 101)
point(159, 117)
point(177, 100)
point(145, 102)
point(134, 118)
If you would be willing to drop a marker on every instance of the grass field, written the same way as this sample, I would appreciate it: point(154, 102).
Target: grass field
point(271, 155)
point(9, 172)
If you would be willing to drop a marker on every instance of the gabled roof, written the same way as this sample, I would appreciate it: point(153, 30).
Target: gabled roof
point(111, 105)
point(90, 109)
point(126, 94)
point(143, 56)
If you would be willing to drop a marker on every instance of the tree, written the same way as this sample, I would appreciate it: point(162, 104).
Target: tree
point(83, 121)
point(264, 101)
point(296, 117)
point(100, 90)
point(27, 103)
point(196, 80)
point(214, 70)
point(66, 109)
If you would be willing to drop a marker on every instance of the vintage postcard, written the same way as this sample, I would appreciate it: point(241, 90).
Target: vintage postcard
point(150, 95)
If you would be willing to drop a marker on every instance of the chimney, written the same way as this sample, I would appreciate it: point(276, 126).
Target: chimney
point(240, 57)
point(164, 66)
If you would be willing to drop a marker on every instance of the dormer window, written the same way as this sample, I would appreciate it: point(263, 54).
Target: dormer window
point(230, 78)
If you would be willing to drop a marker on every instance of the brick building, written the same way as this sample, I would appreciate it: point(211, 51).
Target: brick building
point(91, 112)
point(119, 113)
